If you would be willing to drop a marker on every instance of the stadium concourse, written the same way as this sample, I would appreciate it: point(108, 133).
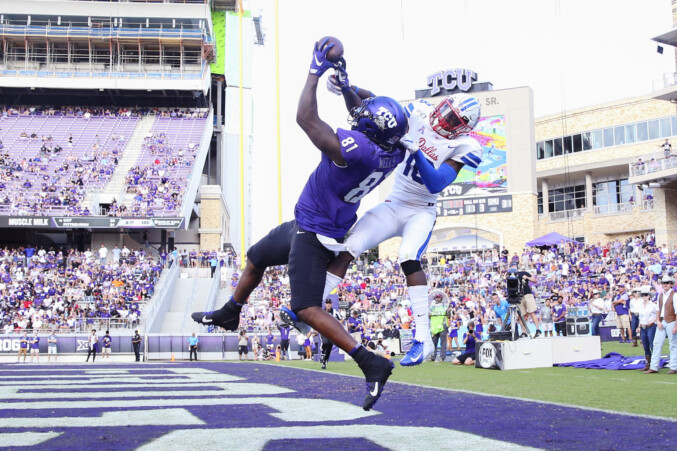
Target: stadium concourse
point(261, 406)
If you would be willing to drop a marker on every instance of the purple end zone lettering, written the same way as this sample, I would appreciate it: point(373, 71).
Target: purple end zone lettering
point(501, 419)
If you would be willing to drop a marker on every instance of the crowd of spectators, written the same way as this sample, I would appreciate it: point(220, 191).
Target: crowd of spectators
point(374, 301)
point(158, 184)
point(94, 111)
point(66, 290)
point(42, 187)
point(49, 182)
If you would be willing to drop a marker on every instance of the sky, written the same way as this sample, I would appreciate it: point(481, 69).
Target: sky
point(571, 53)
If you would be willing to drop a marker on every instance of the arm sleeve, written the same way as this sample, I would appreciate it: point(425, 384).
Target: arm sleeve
point(434, 179)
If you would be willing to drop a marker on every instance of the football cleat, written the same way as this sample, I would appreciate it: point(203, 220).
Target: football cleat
point(376, 371)
point(227, 316)
point(289, 317)
point(419, 352)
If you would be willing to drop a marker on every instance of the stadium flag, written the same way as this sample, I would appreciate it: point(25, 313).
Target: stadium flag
point(613, 361)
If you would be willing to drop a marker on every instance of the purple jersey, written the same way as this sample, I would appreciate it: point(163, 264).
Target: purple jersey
point(559, 310)
point(623, 307)
point(284, 332)
point(329, 202)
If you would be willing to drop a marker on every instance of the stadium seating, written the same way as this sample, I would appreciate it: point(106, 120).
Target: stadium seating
point(162, 172)
point(55, 183)
point(53, 159)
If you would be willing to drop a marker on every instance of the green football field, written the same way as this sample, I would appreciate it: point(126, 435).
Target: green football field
point(621, 391)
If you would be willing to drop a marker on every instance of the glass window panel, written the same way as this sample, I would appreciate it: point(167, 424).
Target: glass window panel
point(630, 133)
point(578, 144)
point(549, 152)
point(608, 137)
point(568, 148)
point(587, 140)
point(665, 127)
point(597, 139)
point(540, 150)
point(673, 120)
point(558, 146)
point(653, 130)
point(619, 135)
point(642, 131)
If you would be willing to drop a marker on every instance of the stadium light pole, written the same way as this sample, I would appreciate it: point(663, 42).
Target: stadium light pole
point(277, 114)
point(241, 139)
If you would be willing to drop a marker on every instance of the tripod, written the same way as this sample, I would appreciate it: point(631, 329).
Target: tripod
point(511, 319)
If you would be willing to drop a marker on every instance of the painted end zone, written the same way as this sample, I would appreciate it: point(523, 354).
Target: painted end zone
point(259, 406)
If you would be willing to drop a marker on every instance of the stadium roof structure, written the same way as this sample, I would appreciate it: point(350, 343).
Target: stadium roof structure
point(669, 38)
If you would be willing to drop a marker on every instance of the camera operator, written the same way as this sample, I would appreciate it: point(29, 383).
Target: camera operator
point(468, 357)
point(527, 302)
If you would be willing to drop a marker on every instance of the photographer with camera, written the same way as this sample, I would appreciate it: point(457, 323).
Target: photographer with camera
point(468, 357)
point(527, 303)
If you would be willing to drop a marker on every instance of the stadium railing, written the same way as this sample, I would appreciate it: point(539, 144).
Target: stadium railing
point(70, 31)
point(196, 175)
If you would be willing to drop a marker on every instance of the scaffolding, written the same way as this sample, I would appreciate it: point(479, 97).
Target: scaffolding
point(102, 47)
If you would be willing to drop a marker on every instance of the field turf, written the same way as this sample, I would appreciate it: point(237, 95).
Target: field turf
point(627, 391)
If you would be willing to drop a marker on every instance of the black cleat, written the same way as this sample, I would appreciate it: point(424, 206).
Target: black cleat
point(227, 316)
point(538, 333)
point(376, 371)
point(324, 366)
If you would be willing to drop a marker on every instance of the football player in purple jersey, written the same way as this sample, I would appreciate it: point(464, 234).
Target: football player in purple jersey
point(353, 163)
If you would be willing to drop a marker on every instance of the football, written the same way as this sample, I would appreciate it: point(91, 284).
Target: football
point(337, 51)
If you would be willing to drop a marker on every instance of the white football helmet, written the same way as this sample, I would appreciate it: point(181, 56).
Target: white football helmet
point(455, 115)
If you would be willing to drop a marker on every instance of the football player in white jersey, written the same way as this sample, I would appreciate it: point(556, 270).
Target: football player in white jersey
point(439, 147)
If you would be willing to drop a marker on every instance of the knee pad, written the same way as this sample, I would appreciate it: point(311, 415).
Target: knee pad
point(410, 267)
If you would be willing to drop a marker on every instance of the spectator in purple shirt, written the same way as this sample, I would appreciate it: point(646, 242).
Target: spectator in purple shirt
point(559, 316)
point(621, 303)
point(35, 348)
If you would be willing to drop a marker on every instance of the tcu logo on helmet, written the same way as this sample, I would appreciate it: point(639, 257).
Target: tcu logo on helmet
point(390, 120)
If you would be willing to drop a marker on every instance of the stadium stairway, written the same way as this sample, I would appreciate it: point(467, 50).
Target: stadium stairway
point(116, 185)
point(190, 294)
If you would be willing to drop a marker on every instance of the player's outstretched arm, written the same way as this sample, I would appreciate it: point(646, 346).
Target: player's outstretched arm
point(433, 179)
point(307, 116)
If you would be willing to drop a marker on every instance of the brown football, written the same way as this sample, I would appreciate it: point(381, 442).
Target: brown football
point(337, 51)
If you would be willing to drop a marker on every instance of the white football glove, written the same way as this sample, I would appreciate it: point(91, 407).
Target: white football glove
point(409, 144)
point(332, 85)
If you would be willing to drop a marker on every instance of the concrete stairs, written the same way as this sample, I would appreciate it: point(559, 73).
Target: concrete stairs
point(115, 186)
point(190, 294)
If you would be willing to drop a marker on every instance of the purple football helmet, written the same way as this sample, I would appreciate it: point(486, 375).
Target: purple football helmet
point(382, 119)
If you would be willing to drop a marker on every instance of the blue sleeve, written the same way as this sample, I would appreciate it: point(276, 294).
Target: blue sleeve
point(434, 179)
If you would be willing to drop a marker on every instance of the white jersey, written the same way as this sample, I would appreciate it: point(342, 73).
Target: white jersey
point(465, 149)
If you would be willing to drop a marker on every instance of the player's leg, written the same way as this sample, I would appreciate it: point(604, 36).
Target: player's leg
point(415, 239)
point(375, 226)
point(326, 352)
point(443, 345)
point(308, 262)
point(271, 250)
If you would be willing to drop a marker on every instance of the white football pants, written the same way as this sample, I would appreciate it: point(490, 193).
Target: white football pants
point(389, 219)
